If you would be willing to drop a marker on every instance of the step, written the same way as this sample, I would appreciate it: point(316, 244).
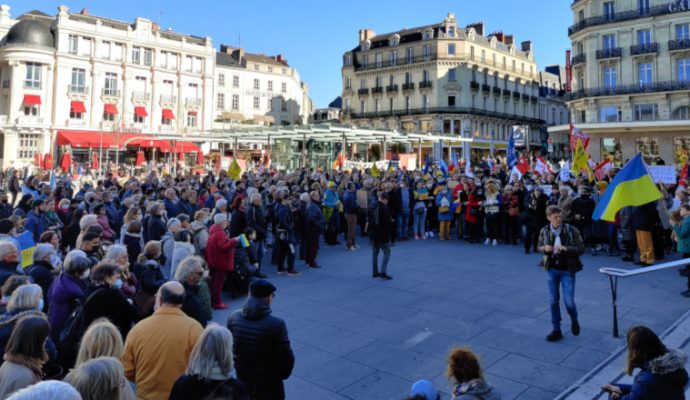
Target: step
point(611, 370)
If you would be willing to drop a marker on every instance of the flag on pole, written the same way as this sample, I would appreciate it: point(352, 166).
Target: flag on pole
point(564, 175)
point(454, 164)
point(235, 171)
point(427, 165)
point(601, 169)
point(468, 168)
point(632, 186)
point(575, 135)
point(375, 171)
point(683, 177)
point(541, 167)
point(581, 161)
point(444, 168)
point(515, 175)
point(26, 247)
point(523, 165)
point(511, 155)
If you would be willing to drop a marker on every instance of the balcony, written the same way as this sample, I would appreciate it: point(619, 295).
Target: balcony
point(111, 93)
point(395, 63)
point(496, 90)
point(27, 120)
point(672, 7)
point(425, 85)
point(167, 128)
point(448, 110)
point(377, 90)
point(678, 44)
point(516, 95)
point(192, 102)
point(408, 86)
point(392, 88)
point(77, 89)
point(77, 123)
point(141, 96)
point(525, 97)
point(168, 99)
point(486, 89)
point(506, 93)
point(363, 91)
point(533, 99)
point(191, 130)
point(578, 59)
point(647, 48)
point(667, 86)
point(614, 52)
point(474, 85)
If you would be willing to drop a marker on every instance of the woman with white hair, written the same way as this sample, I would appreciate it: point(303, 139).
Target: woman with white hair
point(118, 254)
point(66, 289)
point(98, 379)
point(84, 223)
point(210, 369)
point(53, 390)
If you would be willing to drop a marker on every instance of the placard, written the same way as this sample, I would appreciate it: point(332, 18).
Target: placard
point(452, 184)
point(663, 173)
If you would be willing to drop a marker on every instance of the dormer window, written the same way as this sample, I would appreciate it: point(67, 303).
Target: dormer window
point(366, 45)
point(451, 31)
point(428, 34)
point(394, 40)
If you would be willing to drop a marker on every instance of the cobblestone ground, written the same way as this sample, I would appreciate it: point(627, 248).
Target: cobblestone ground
point(356, 337)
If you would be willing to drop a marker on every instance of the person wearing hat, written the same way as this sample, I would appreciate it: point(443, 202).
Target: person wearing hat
point(423, 389)
point(45, 263)
point(35, 222)
point(264, 358)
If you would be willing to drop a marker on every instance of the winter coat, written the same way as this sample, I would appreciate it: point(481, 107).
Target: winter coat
point(381, 232)
point(150, 275)
point(663, 378)
point(108, 233)
point(185, 207)
point(14, 377)
point(584, 207)
point(472, 203)
point(133, 243)
point(256, 219)
point(350, 205)
point(446, 215)
point(645, 217)
point(181, 251)
point(170, 208)
point(155, 228)
point(682, 231)
point(263, 356)
point(194, 387)
point(476, 389)
point(315, 223)
point(199, 237)
point(9, 320)
point(284, 221)
point(566, 205)
point(571, 240)
point(112, 304)
point(238, 223)
point(626, 229)
point(220, 250)
point(41, 273)
point(62, 297)
point(36, 224)
point(167, 247)
point(193, 306)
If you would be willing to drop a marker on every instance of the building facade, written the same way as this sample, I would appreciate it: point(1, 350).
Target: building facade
point(442, 79)
point(258, 89)
point(553, 110)
point(631, 78)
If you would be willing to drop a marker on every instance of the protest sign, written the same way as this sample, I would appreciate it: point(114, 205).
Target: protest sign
point(663, 173)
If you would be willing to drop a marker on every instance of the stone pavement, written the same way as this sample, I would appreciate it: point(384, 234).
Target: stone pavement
point(356, 337)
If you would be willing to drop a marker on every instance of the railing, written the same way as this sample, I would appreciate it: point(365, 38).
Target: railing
point(391, 88)
point(534, 99)
point(525, 97)
point(191, 130)
point(667, 86)
point(614, 52)
point(167, 128)
point(377, 90)
point(77, 123)
point(110, 92)
point(192, 102)
point(646, 48)
point(678, 44)
point(516, 95)
point(30, 120)
point(408, 86)
point(506, 92)
point(496, 91)
point(615, 273)
point(662, 9)
point(397, 62)
point(425, 84)
point(578, 59)
point(474, 85)
point(79, 89)
point(362, 91)
point(486, 88)
point(448, 110)
point(168, 99)
point(141, 96)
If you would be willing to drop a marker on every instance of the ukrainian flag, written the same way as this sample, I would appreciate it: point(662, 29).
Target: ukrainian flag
point(632, 186)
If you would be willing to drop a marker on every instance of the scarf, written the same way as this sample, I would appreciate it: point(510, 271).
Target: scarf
point(36, 366)
point(556, 232)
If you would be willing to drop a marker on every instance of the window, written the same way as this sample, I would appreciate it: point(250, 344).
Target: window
point(166, 121)
point(256, 102)
point(609, 41)
point(365, 61)
point(682, 113)
point(643, 6)
point(270, 69)
point(118, 51)
point(609, 114)
point(256, 84)
point(644, 36)
point(270, 103)
point(148, 56)
point(78, 80)
point(609, 11)
point(28, 145)
point(235, 101)
point(191, 118)
point(390, 104)
point(427, 35)
point(31, 111)
point(235, 81)
point(348, 82)
point(408, 78)
point(110, 85)
point(451, 31)
point(451, 49)
point(75, 115)
point(581, 16)
point(451, 101)
point(362, 83)
point(451, 75)
point(379, 60)
point(683, 31)
point(361, 106)
point(348, 62)
point(270, 86)
point(409, 54)
point(407, 103)
point(138, 119)
point(646, 112)
point(645, 73)
point(425, 75)
point(33, 76)
point(283, 87)
point(108, 117)
point(73, 42)
point(391, 80)
point(683, 68)
point(221, 101)
point(256, 67)
point(85, 46)
point(136, 55)
point(426, 51)
point(221, 79)
point(609, 77)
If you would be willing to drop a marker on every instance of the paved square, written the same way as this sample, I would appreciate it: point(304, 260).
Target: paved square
point(359, 338)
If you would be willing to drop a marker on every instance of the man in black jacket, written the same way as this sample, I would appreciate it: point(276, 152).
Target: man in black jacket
point(41, 271)
point(189, 273)
point(263, 356)
point(256, 220)
point(644, 220)
point(381, 236)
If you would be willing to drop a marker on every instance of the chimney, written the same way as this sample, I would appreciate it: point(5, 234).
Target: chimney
point(366, 33)
point(500, 36)
point(237, 53)
point(509, 40)
point(155, 27)
point(526, 46)
point(84, 11)
point(478, 27)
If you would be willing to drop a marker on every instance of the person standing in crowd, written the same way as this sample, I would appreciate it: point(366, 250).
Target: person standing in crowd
point(492, 210)
point(25, 355)
point(25, 301)
point(381, 226)
point(256, 219)
point(14, 186)
point(168, 245)
point(190, 273)
point(512, 210)
point(199, 230)
point(148, 272)
point(262, 352)
point(331, 203)
point(662, 373)
point(315, 225)
point(535, 218)
point(351, 210)
point(582, 210)
point(644, 219)
point(220, 255)
point(66, 290)
point(155, 228)
point(35, 221)
point(421, 196)
point(157, 349)
point(466, 373)
point(445, 216)
point(285, 236)
point(42, 271)
point(562, 247)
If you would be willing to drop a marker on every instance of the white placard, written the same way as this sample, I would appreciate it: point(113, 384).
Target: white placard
point(663, 173)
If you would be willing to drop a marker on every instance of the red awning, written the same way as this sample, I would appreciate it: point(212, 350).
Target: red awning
point(78, 107)
point(32, 100)
point(141, 112)
point(168, 114)
point(92, 139)
point(110, 109)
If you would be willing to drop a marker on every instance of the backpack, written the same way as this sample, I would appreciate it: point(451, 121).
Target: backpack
point(75, 325)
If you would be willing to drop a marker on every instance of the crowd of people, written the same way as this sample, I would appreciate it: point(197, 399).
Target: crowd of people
point(125, 271)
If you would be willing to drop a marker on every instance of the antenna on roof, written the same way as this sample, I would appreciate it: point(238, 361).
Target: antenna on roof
point(239, 40)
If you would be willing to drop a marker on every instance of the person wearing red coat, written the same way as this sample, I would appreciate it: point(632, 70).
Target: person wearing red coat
point(220, 255)
point(474, 201)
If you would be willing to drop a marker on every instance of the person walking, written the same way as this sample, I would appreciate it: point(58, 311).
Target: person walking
point(381, 228)
point(562, 247)
point(262, 352)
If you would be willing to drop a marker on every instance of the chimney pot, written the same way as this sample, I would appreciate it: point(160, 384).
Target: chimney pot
point(84, 11)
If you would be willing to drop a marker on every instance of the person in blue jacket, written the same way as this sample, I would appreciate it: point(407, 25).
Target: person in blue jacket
point(35, 221)
point(351, 211)
point(445, 216)
point(662, 373)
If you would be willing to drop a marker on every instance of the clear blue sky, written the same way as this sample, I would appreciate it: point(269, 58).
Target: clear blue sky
point(313, 35)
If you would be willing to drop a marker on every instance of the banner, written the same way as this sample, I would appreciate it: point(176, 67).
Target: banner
point(568, 73)
point(663, 173)
point(575, 135)
point(601, 169)
point(581, 161)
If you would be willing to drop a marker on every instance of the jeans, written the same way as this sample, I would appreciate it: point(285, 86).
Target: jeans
point(402, 221)
point(418, 222)
point(566, 281)
point(386, 248)
point(444, 230)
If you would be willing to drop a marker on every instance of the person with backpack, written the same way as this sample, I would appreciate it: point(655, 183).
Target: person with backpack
point(562, 247)
point(381, 226)
point(199, 230)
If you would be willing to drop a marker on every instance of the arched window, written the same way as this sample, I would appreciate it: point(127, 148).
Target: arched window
point(682, 112)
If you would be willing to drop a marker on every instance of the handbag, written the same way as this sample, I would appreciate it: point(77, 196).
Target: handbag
point(282, 234)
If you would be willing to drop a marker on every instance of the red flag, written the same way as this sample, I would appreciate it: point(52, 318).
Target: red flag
point(66, 162)
point(541, 167)
point(200, 158)
point(683, 177)
point(523, 165)
point(601, 169)
point(48, 161)
point(94, 161)
point(575, 135)
point(38, 160)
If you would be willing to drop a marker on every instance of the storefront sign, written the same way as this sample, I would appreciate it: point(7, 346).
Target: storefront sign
point(663, 173)
point(568, 72)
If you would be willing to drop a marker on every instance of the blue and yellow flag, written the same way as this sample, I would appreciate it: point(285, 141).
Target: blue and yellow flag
point(244, 242)
point(632, 186)
point(26, 248)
